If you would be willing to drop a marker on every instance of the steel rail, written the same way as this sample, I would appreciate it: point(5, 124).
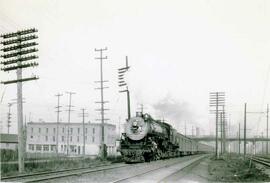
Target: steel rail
point(43, 176)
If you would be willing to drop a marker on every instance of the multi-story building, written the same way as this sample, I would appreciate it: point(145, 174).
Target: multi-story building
point(42, 138)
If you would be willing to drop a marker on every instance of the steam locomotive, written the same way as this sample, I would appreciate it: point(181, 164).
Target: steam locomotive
point(146, 139)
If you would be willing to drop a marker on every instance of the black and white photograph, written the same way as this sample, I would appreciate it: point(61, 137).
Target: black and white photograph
point(134, 91)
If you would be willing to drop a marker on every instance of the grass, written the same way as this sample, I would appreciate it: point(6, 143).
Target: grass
point(236, 169)
point(55, 164)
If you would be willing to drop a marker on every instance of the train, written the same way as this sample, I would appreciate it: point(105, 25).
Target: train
point(146, 139)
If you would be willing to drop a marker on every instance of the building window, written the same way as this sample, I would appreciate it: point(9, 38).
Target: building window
point(78, 130)
point(93, 139)
point(47, 130)
point(53, 147)
point(85, 130)
point(63, 130)
point(46, 138)
point(78, 138)
point(39, 130)
point(61, 147)
point(38, 147)
point(73, 148)
point(31, 136)
point(71, 130)
point(53, 138)
point(63, 138)
point(53, 130)
point(94, 130)
point(32, 130)
point(70, 138)
point(45, 147)
point(85, 137)
point(31, 147)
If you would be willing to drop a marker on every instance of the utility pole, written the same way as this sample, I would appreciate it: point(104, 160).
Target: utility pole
point(262, 143)
point(103, 148)
point(58, 115)
point(122, 82)
point(20, 39)
point(221, 133)
point(83, 115)
point(224, 129)
point(141, 108)
point(69, 110)
point(245, 129)
point(239, 142)
point(185, 128)
point(267, 130)
point(217, 100)
point(256, 112)
point(119, 126)
point(9, 117)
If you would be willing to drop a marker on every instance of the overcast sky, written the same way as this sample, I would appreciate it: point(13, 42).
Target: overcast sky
point(179, 51)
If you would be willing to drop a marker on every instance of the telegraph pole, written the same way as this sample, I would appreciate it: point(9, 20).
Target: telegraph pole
point(121, 73)
point(83, 115)
point(102, 102)
point(262, 143)
point(58, 114)
point(239, 137)
point(20, 51)
point(69, 110)
point(9, 117)
point(245, 129)
point(224, 129)
point(141, 108)
point(185, 128)
point(217, 100)
point(221, 133)
point(267, 130)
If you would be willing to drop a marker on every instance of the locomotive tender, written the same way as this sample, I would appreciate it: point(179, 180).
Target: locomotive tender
point(146, 139)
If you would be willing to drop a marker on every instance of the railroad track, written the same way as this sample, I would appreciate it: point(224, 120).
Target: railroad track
point(50, 175)
point(165, 175)
point(261, 160)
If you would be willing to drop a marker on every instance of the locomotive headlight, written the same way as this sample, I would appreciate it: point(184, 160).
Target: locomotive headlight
point(135, 126)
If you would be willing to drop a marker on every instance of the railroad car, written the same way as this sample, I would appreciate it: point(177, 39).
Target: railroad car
point(146, 139)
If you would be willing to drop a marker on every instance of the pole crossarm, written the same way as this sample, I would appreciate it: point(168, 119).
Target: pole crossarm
point(19, 80)
point(19, 33)
point(21, 59)
point(9, 68)
point(22, 52)
point(19, 40)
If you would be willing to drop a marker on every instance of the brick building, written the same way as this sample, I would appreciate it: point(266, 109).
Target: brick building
point(41, 138)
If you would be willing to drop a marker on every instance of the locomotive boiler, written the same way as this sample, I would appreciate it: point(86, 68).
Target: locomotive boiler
point(146, 139)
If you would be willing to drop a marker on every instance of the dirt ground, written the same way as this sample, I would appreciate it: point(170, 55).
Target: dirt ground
point(235, 169)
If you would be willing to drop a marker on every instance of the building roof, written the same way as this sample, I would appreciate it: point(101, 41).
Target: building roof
point(8, 138)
